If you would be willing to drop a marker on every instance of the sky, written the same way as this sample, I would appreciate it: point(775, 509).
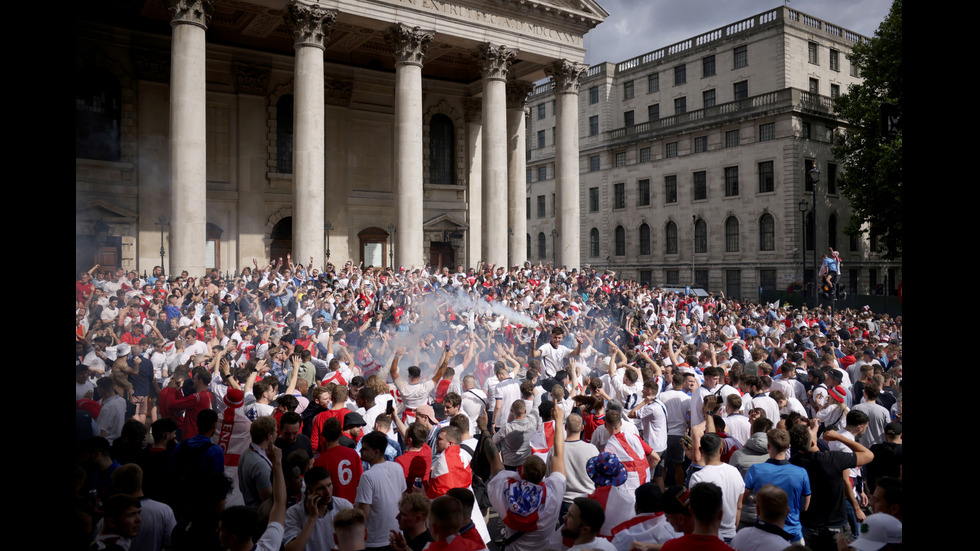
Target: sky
point(635, 27)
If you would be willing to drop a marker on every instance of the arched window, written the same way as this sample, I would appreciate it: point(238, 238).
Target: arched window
point(441, 150)
point(832, 231)
point(594, 242)
point(620, 241)
point(731, 235)
point(767, 233)
point(808, 232)
point(700, 236)
point(98, 108)
point(644, 239)
point(542, 245)
point(284, 134)
point(671, 239)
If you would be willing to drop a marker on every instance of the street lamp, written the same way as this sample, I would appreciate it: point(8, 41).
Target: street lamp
point(391, 245)
point(803, 207)
point(554, 249)
point(814, 176)
point(455, 238)
point(328, 227)
point(162, 221)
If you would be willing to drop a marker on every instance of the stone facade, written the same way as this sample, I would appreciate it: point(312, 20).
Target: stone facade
point(251, 126)
point(715, 131)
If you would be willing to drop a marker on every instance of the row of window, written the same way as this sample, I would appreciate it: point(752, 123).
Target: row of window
point(813, 53)
point(699, 180)
point(815, 88)
point(766, 133)
point(542, 173)
point(740, 58)
point(767, 237)
point(543, 110)
point(542, 212)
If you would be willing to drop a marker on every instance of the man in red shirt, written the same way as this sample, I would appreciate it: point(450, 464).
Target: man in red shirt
point(195, 403)
point(84, 286)
point(337, 411)
point(343, 463)
point(417, 461)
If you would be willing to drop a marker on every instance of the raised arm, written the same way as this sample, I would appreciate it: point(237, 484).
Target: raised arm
point(862, 454)
point(278, 512)
point(558, 451)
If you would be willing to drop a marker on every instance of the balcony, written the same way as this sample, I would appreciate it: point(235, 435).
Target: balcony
point(780, 100)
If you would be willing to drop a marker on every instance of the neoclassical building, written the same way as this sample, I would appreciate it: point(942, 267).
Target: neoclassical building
point(213, 132)
point(694, 158)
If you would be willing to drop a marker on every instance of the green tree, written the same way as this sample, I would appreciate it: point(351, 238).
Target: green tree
point(870, 155)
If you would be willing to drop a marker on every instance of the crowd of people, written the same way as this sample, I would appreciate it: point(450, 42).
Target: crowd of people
point(525, 407)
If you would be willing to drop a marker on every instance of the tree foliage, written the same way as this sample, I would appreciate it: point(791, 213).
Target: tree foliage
point(871, 159)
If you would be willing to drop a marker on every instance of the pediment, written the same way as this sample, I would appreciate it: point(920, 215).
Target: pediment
point(100, 209)
point(445, 221)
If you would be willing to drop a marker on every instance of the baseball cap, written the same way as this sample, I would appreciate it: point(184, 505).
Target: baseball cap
point(877, 531)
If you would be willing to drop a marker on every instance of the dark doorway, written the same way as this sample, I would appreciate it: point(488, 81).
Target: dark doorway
point(441, 255)
point(282, 239)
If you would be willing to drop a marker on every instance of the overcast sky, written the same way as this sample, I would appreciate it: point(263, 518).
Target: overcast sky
point(635, 27)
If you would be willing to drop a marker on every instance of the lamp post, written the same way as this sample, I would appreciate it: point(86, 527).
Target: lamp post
point(162, 221)
point(554, 249)
point(391, 245)
point(803, 207)
point(814, 176)
point(328, 227)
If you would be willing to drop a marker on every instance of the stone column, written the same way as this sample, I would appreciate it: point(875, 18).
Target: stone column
point(517, 91)
point(566, 75)
point(311, 26)
point(409, 45)
point(495, 61)
point(472, 111)
point(188, 136)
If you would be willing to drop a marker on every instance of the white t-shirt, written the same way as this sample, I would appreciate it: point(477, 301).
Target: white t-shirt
point(653, 421)
point(381, 487)
point(475, 403)
point(732, 487)
point(414, 395)
point(678, 407)
point(552, 359)
point(322, 537)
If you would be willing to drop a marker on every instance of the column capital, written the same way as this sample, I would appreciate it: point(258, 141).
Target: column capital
point(192, 12)
point(566, 75)
point(517, 92)
point(311, 25)
point(409, 44)
point(495, 60)
point(472, 109)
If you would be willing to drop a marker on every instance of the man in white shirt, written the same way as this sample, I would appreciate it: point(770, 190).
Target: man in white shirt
point(475, 401)
point(414, 392)
point(653, 422)
point(553, 353)
point(677, 403)
point(309, 523)
point(113, 412)
point(725, 477)
point(379, 490)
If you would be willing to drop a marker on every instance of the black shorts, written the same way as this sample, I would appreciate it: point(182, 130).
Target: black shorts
point(675, 450)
